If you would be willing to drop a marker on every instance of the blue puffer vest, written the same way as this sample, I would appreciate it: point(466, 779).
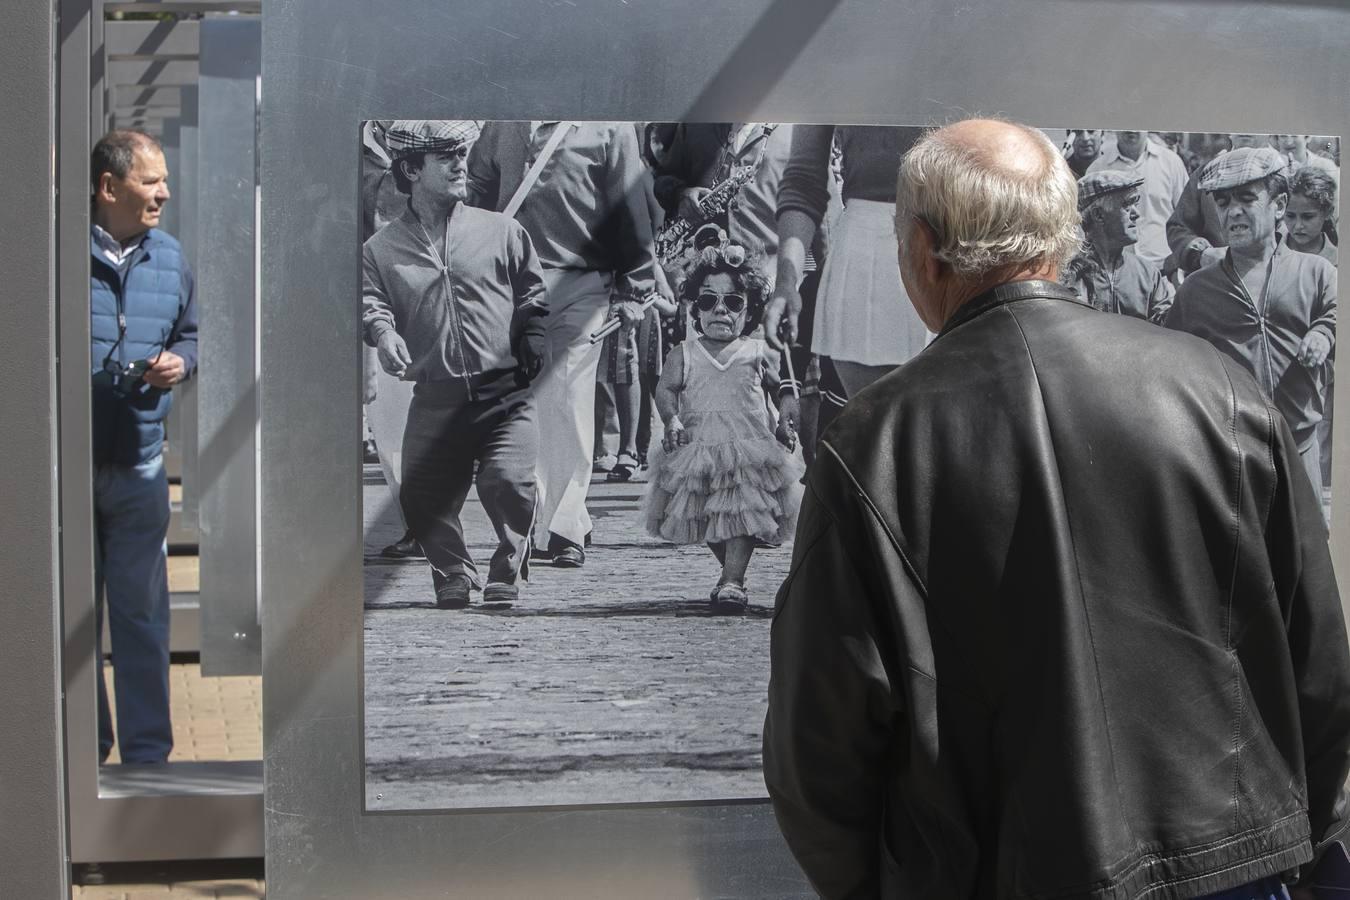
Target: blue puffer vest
point(137, 310)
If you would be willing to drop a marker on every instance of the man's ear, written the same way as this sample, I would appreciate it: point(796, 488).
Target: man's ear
point(925, 244)
point(104, 189)
point(1280, 202)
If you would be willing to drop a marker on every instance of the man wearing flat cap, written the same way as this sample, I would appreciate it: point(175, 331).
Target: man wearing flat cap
point(1271, 308)
point(1108, 273)
point(452, 300)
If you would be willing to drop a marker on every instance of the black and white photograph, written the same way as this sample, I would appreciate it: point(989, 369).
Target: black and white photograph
point(597, 359)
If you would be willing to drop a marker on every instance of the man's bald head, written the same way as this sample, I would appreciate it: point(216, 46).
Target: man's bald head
point(996, 195)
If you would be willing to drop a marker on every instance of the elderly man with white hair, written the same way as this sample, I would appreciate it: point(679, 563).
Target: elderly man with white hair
point(1061, 619)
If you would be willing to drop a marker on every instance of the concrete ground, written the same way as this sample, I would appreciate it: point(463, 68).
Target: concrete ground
point(608, 684)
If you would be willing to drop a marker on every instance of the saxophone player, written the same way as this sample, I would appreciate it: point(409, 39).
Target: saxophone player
point(701, 155)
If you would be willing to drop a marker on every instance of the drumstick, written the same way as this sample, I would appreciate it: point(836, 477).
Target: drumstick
point(792, 376)
point(615, 324)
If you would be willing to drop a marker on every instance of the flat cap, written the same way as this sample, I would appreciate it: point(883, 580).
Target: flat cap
point(1107, 181)
point(1228, 170)
point(429, 135)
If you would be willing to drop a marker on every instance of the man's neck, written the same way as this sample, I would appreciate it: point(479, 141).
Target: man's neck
point(958, 294)
point(432, 212)
point(1246, 259)
point(125, 239)
point(1135, 157)
point(1109, 254)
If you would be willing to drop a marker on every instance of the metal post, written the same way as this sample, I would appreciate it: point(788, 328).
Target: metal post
point(33, 854)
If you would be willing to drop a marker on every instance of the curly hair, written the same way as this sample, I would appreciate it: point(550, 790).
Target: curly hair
point(744, 265)
point(1318, 186)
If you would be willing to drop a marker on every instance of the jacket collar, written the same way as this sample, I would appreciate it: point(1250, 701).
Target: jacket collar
point(1008, 293)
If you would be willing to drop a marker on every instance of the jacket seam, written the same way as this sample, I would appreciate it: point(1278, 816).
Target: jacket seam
point(1150, 858)
point(1078, 572)
point(1235, 513)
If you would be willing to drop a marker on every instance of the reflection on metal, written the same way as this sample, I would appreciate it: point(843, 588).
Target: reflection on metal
point(227, 390)
point(186, 189)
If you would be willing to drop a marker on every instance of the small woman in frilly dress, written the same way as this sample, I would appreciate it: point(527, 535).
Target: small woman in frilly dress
point(721, 477)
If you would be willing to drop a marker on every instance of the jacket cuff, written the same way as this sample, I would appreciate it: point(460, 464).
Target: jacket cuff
point(375, 330)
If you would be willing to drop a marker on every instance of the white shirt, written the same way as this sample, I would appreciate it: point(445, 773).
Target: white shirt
point(1164, 179)
point(113, 251)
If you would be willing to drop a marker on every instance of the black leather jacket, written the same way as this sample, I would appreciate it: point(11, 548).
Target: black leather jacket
point(1061, 622)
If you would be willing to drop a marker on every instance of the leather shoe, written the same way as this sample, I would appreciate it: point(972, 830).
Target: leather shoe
point(452, 591)
point(569, 557)
point(500, 592)
point(405, 547)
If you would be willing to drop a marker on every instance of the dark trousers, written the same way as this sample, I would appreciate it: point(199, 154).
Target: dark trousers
point(131, 520)
point(447, 433)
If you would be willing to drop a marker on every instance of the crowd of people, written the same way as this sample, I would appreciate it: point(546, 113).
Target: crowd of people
point(750, 269)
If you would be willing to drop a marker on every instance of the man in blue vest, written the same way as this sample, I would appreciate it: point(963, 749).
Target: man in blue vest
point(143, 341)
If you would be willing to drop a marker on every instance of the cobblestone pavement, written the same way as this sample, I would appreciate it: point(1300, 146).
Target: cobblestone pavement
point(607, 684)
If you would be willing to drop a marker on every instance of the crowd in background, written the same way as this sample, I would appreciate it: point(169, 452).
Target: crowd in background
point(618, 213)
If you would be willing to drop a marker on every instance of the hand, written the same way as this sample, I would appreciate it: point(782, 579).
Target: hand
point(1211, 255)
point(675, 436)
point(628, 312)
point(789, 411)
point(394, 355)
point(167, 370)
point(689, 200)
point(1314, 349)
point(780, 317)
point(531, 354)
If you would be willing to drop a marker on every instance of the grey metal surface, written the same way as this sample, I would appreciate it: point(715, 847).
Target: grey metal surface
point(227, 388)
point(151, 40)
point(1181, 65)
point(156, 71)
point(32, 857)
point(113, 828)
point(185, 189)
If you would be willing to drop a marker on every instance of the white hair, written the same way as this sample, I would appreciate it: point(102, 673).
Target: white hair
point(986, 215)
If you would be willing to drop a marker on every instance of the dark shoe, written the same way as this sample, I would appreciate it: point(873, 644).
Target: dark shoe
point(623, 468)
point(761, 544)
point(569, 557)
point(500, 592)
point(368, 453)
point(452, 591)
point(405, 547)
point(729, 599)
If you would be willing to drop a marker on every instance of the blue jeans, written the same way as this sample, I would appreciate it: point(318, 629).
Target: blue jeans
point(1265, 889)
point(131, 522)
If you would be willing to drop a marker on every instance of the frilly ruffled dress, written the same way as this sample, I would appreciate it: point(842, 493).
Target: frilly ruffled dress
point(733, 478)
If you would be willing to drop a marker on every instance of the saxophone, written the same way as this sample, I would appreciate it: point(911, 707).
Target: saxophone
point(675, 235)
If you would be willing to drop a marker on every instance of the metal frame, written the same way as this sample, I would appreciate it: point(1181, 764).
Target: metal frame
point(1187, 65)
point(33, 853)
point(227, 419)
point(177, 811)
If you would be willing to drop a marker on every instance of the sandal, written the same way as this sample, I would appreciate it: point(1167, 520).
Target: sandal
point(623, 468)
point(729, 599)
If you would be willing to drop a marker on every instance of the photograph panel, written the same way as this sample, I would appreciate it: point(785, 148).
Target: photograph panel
point(584, 447)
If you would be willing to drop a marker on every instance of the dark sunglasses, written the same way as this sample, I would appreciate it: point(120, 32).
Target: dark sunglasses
point(707, 302)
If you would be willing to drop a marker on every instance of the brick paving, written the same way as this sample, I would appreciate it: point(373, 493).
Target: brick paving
point(608, 684)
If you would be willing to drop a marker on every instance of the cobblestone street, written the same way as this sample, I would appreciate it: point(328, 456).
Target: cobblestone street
point(607, 684)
